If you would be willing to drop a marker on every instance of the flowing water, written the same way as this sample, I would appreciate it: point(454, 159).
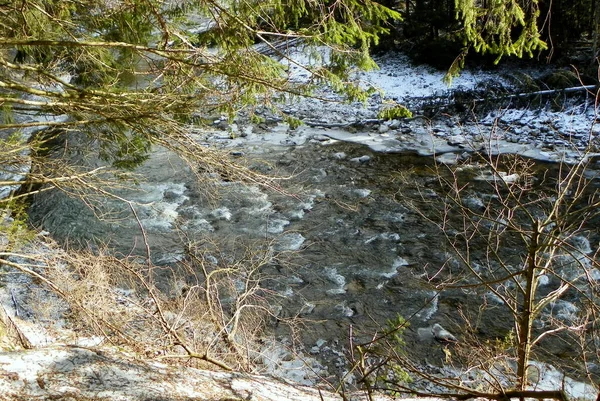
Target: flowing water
point(352, 251)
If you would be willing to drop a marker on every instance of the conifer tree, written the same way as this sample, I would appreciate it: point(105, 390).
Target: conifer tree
point(132, 72)
point(501, 27)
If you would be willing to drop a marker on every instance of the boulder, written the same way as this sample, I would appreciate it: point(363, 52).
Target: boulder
point(442, 335)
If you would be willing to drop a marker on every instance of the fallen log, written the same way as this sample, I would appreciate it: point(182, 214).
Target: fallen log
point(589, 88)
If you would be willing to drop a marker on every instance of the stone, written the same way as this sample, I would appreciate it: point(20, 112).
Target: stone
point(361, 159)
point(442, 335)
point(394, 124)
point(383, 128)
point(320, 138)
point(456, 140)
point(170, 195)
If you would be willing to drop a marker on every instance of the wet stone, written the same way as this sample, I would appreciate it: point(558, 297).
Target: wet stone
point(394, 124)
point(455, 140)
point(361, 159)
point(320, 138)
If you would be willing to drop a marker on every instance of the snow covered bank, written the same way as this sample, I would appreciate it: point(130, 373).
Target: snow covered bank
point(541, 132)
point(69, 372)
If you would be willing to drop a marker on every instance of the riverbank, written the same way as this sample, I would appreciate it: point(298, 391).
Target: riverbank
point(550, 129)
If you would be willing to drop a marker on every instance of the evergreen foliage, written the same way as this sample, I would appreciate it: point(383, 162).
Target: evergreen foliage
point(394, 111)
point(440, 31)
point(503, 27)
point(138, 69)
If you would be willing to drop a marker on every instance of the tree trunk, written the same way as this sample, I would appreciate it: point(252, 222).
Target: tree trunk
point(525, 318)
point(595, 32)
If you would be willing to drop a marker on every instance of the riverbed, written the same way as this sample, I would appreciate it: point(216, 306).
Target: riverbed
point(350, 249)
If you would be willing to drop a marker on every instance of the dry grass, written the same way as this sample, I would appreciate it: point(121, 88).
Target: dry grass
point(197, 312)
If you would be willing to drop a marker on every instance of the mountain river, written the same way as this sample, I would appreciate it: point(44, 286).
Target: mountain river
point(350, 251)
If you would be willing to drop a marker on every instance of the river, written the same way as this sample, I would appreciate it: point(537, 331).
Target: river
point(350, 250)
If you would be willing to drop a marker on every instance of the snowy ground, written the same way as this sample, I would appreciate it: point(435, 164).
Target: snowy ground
point(542, 133)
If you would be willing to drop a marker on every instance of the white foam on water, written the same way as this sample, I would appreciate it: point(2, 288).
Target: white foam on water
point(305, 206)
point(564, 310)
point(334, 277)
point(276, 226)
point(157, 204)
point(291, 241)
point(222, 213)
point(543, 280)
point(432, 307)
point(398, 262)
point(344, 309)
point(493, 297)
point(582, 244)
point(551, 378)
point(595, 274)
point(362, 192)
point(288, 292)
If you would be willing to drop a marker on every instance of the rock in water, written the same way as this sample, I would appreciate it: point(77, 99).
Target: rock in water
point(442, 335)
